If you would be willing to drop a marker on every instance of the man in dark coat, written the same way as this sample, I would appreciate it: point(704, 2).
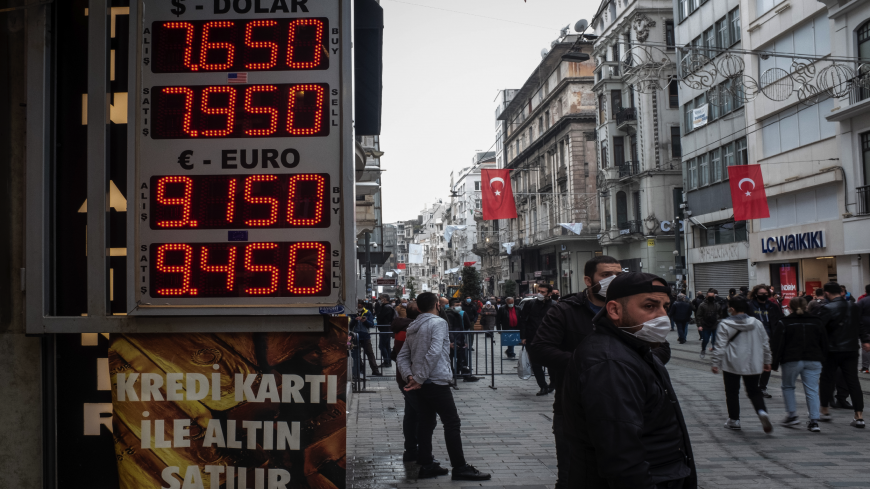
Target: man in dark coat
point(680, 313)
point(563, 328)
point(622, 417)
point(385, 315)
point(769, 314)
point(458, 320)
point(531, 316)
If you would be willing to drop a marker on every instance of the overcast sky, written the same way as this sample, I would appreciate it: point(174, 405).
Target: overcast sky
point(444, 63)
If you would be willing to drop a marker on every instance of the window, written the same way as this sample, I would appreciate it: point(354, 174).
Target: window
point(802, 207)
point(710, 43)
point(547, 119)
point(676, 147)
point(687, 118)
point(477, 185)
point(615, 102)
point(670, 37)
point(713, 97)
point(674, 93)
point(797, 127)
point(812, 38)
point(703, 171)
point(616, 58)
point(734, 22)
point(618, 151)
point(621, 210)
point(729, 232)
point(865, 156)
point(741, 152)
point(684, 9)
point(693, 174)
point(604, 162)
point(715, 166)
point(762, 6)
point(722, 33)
point(726, 97)
point(601, 110)
point(728, 154)
point(635, 197)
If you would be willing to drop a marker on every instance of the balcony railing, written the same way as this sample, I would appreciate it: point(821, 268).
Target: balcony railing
point(860, 88)
point(863, 198)
point(626, 115)
point(630, 227)
point(629, 168)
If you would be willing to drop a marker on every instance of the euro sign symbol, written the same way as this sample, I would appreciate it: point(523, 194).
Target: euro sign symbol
point(184, 159)
point(179, 7)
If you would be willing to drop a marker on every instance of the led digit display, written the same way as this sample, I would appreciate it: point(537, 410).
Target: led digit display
point(272, 269)
point(240, 45)
point(240, 201)
point(240, 111)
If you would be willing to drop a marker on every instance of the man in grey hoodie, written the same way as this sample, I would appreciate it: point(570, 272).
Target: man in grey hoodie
point(424, 363)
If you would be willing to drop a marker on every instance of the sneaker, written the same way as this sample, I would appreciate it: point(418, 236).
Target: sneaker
point(825, 417)
point(857, 423)
point(469, 473)
point(765, 394)
point(813, 426)
point(470, 378)
point(431, 471)
point(733, 424)
point(703, 354)
point(765, 421)
point(865, 370)
point(790, 421)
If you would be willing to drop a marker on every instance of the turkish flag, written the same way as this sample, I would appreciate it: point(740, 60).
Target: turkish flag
point(747, 192)
point(498, 198)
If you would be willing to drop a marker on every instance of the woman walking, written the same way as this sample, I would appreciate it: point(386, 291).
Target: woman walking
point(742, 350)
point(800, 344)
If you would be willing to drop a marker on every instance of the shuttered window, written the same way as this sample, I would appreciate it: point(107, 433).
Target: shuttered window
point(721, 276)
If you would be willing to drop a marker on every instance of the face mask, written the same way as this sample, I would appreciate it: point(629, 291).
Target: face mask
point(762, 298)
point(710, 299)
point(555, 297)
point(510, 305)
point(457, 308)
point(540, 296)
point(603, 285)
point(468, 301)
point(653, 331)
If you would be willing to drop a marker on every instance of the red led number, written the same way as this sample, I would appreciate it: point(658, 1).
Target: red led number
point(251, 267)
point(273, 203)
point(184, 201)
point(229, 268)
point(295, 267)
point(316, 45)
point(208, 46)
point(188, 107)
point(297, 94)
point(271, 46)
point(188, 42)
point(273, 113)
point(183, 269)
point(228, 110)
point(318, 205)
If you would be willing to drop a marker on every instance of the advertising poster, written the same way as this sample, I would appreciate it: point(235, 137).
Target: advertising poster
point(788, 281)
point(812, 286)
point(230, 410)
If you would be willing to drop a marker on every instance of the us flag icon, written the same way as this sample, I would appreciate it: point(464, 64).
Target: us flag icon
point(237, 78)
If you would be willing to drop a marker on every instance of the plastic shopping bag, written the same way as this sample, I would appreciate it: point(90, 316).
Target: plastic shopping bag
point(524, 366)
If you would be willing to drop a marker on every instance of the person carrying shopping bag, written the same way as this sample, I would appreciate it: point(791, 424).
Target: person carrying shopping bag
point(742, 351)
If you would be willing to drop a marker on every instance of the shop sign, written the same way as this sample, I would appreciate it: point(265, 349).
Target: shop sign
point(538, 274)
point(793, 242)
point(668, 226)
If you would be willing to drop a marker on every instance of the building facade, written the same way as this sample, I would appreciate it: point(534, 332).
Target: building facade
point(638, 135)
point(549, 146)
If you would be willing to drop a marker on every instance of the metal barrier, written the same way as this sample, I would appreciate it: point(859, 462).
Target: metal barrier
point(477, 364)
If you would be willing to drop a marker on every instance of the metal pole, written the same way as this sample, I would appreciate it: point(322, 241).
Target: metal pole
point(368, 266)
point(492, 359)
point(678, 262)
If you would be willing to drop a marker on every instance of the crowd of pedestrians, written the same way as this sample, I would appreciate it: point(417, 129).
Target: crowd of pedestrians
point(617, 421)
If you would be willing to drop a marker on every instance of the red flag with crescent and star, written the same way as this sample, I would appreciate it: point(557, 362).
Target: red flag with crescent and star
point(498, 198)
point(747, 192)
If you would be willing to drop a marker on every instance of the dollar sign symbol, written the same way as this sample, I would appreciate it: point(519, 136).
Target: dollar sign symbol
point(179, 7)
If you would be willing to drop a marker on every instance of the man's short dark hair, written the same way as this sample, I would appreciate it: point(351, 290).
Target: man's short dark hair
point(832, 288)
point(592, 265)
point(820, 292)
point(711, 289)
point(426, 301)
point(867, 289)
point(739, 304)
point(455, 301)
point(732, 291)
point(546, 286)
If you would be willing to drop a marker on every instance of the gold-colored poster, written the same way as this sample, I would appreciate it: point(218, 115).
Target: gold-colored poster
point(230, 410)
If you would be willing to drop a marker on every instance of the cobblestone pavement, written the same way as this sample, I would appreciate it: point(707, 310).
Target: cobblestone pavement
point(507, 432)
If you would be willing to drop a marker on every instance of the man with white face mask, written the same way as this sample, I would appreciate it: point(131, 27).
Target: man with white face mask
point(622, 416)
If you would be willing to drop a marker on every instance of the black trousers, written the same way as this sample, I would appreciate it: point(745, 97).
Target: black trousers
point(563, 453)
point(438, 399)
point(411, 420)
point(732, 393)
point(842, 388)
point(763, 380)
point(540, 378)
point(847, 361)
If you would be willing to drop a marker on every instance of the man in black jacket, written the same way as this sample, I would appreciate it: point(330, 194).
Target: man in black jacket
point(385, 315)
point(680, 313)
point(531, 316)
point(622, 417)
point(458, 320)
point(563, 328)
point(842, 322)
point(769, 314)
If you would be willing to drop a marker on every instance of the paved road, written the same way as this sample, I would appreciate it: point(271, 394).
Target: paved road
point(507, 432)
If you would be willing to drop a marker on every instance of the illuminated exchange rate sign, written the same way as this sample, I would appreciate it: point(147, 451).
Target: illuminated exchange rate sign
point(240, 111)
point(240, 270)
point(242, 45)
point(239, 201)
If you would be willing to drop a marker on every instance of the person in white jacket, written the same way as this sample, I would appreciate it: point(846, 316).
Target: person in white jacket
point(743, 350)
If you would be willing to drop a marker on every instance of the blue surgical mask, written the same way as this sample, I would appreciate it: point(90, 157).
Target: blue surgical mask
point(468, 301)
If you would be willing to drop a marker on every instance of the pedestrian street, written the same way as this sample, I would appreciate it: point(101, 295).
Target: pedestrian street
point(507, 432)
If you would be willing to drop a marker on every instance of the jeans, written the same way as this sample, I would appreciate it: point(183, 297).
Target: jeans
point(847, 361)
point(540, 378)
point(810, 373)
point(706, 336)
point(682, 331)
point(732, 393)
point(370, 356)
point(437, 399)
point(411, 420)
point(563, 452)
